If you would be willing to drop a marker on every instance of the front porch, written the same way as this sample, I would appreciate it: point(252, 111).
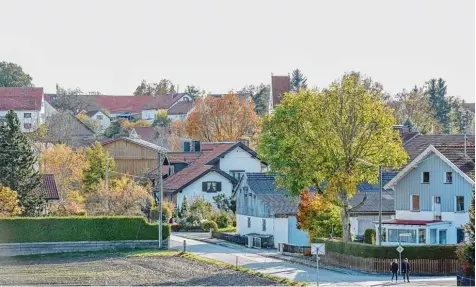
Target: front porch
point(415, 232)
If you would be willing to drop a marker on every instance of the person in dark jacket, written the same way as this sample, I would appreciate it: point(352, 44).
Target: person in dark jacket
point(394, 269)
point(406, 270)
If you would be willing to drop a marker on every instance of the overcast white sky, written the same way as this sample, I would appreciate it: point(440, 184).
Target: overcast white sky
point(110, 46)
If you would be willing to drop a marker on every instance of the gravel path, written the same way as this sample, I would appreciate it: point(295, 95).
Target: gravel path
point(117, 270)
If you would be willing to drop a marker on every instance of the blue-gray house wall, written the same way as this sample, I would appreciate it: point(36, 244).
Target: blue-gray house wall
point(250, 205)
point(411, 184)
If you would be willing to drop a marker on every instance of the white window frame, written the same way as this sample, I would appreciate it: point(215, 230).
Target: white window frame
point(422, 177)
point(445, 179)
point(24, 115)
point(411, 202)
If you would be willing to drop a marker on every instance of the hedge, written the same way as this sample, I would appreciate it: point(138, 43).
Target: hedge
point(78, 228)
point(389, 252)
point(209, 224)
point(370, 236)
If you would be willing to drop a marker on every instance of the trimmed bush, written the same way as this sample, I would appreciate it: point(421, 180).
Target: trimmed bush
point(389, 252)
point(370, 236)
point(209, 224)
point(78, 228)
point(223, 220)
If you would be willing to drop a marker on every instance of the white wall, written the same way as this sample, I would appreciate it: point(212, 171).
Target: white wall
point(256, 225)
point(281, 233)
point(239, 159)
point(177, 117)
point(456, 218)
point(358, 224)
point(105, 122)
point(35, 119)
point(195, 189)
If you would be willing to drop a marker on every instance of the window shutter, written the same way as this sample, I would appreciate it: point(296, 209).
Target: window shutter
point(219, 186)
point(204, 186)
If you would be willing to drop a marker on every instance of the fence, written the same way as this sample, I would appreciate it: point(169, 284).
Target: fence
point(235, 238)
point(375, 265)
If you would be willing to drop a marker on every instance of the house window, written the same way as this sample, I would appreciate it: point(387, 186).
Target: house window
point(422, 235)
point(211, 186)
point(460, 203)
point(415, 202)
point(432, 236)
point(99, 117)
point(27, 126)
point(425, 177)
point(437, 217)
point(448, 177)
point(27, 115)
point(249, 222)
point(237, 174)
point(264, 225)
point(442, 239)
point(437, 199)
point(402, 235)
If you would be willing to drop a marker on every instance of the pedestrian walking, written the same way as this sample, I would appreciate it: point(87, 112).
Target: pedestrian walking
point(394, 269)
point(406, 270)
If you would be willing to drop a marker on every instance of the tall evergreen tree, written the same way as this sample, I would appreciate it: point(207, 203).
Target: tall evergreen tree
point(17, 165)
point(298, 81)
point(469, 250)
point(439, 103)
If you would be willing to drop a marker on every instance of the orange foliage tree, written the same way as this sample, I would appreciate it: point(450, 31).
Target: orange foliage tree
point(177, 131)
point(9, 202)
point(223, 118)
point(318, 215)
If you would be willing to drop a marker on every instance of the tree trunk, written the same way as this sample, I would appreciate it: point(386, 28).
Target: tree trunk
point(345, 217)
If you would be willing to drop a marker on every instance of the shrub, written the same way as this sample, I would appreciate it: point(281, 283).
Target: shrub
point(209, 224)
point(78, 228)
point(370, 236)
point(389, 252)
point(223, 219)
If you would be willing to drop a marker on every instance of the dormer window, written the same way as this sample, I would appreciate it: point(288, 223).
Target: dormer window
point(425, 177)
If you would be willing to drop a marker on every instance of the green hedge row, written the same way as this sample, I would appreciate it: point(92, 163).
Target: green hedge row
point(80, 228)
point(389, 252)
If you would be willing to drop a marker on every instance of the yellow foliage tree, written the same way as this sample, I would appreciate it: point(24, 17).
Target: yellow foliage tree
point(67, 166)
point(9, 203)
point(122, 197)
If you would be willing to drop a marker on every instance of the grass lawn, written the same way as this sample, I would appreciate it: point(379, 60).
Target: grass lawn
point(135, 267)
point(227, 229)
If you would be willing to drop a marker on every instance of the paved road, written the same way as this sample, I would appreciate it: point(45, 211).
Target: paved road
point(251, 258)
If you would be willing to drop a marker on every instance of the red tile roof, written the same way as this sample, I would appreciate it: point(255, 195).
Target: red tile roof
point(183, 157)
point(146, 133)
point(180, 108)
point(410, 222)
point(164, 101)
point(21, 99)
point(209, 151)
point(116, 104)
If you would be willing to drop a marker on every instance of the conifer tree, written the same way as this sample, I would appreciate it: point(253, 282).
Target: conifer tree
point(298, 80)
point(17, 166)
point(469, 249)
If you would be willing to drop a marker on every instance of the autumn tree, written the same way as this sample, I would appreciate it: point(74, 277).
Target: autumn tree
point(412, 107)
point(73, 100)
point(9, 203)
point(12, 75)
point(318, 215)
point(177, 131)
point(312, 138)
point(122, 197)
point(97, 162)
point(93, 124)
point(68, 166)
point(155, 89)
point(224, 118)
point(123, 127)
point(194, 92)
point(17, 165)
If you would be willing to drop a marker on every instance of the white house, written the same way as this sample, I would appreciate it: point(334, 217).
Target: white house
point(29, 105)
point(264, 209)
point(162, 103)
point(180, 111)
point(103, 119)
point(208, 169)
point(432, 197)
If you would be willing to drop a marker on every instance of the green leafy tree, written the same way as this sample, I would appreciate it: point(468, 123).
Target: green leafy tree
point(260, 96)
point(298, 80)
point(225, 203)
point(17, 168)
point(97, 161)
point(315, 138)
point(113, 129)
point(194, 92)
point(161, 119)
point(469, 250)
point(439, 103)
point(12, 75)
point(184, 211)
point(73, 100)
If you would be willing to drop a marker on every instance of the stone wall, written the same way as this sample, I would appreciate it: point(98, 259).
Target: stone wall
point(15, 249)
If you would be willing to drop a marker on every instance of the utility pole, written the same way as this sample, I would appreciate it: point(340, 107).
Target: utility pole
point(159, 194)
point(380, 179)
point(107, 172)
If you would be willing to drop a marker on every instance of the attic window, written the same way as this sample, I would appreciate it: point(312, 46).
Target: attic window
point(211, 186)
point(448, 177)
point(425, 177)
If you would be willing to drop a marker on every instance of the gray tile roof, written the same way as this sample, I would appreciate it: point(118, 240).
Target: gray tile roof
point(371, 203)
point(368, 187)
point(274, 198)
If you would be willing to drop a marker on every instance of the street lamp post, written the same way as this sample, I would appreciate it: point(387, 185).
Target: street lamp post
point(380, 198)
